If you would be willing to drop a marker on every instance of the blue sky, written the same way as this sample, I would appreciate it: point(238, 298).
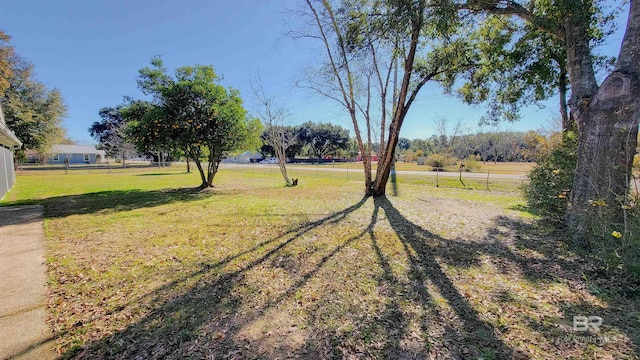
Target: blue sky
point(92, 51)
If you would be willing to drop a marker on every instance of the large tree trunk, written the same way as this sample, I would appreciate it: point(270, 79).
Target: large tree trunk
point(607, 122)
point(384, 167)
point(366, 164)
point(562, 90)
point(402, 105)
point(203, 177)
point(608, 133)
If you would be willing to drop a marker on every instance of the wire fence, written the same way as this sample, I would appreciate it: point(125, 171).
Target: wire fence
point(445, 178)
point(477, 180)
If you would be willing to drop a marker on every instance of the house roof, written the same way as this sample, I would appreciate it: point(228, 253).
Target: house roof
point(75, 149)
point(7, 137)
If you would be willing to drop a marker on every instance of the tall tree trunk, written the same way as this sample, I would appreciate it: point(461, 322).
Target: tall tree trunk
point(562, 90)
point(402, 105)
point(379, 186)
point(203, 177)
point(212, 168)
point(607, 123)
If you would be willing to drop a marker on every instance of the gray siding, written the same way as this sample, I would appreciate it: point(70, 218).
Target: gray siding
point(73, 159)
point(7, 174)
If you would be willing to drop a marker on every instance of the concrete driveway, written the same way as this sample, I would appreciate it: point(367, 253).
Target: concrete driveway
point(23, 331)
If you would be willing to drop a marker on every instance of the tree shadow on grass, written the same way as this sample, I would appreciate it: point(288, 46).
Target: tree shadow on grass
point(210, 317)
point(161, 174)
point(114, 201)
point(535, 252)
point(556, 262)
point(474, 336)
point(210, 303)
point(206, 313)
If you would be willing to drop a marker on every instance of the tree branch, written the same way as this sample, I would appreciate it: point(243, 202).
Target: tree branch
point(509, 7)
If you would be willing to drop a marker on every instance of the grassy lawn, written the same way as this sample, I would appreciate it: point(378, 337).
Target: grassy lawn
point(513, 168)
point(140, 265)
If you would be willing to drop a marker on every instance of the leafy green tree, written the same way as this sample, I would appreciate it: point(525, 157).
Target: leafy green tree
point(194, 113)
point(324, 139)
point(33, 112)
point(403, 144)
point(6, 58)
point(295, 147)
point(606, 114)
point(547, 192)
point(379, 55)
point(111, 133)
point(150, 136)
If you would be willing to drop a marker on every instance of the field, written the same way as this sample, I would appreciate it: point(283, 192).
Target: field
point(141, 265)
point(494, 168)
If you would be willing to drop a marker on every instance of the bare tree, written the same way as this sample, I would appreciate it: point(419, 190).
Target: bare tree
point(278, 136)
point(366, 43)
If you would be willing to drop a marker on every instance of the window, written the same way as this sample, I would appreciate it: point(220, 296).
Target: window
point(86, 157)
point(56, 157)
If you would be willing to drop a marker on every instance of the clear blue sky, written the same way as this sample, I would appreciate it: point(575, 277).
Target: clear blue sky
point(92, 51)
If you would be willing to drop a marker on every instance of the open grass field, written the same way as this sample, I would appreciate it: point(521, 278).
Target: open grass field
point(140, 265)
point(515, 168)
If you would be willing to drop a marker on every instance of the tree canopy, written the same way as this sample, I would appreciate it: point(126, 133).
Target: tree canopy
point(33, 112)
point(192, 112)
point(6, 57)
point(111, 132)
point(324, 139)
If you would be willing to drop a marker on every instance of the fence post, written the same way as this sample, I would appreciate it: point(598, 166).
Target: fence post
point(437, 184)
point(488, 172)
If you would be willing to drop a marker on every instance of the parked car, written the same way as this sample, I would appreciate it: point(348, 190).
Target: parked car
point(269, 161)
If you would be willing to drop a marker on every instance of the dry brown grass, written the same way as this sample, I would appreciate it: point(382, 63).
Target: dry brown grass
point(252, 269)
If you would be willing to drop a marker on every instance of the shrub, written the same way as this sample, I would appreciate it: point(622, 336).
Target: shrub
point(616, 243)
point(471, 163)
point(550, 181)
point(409, 156)
point(439, 161)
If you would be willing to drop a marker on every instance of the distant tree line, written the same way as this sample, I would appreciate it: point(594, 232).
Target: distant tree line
point(313, 140)
point(503, 146)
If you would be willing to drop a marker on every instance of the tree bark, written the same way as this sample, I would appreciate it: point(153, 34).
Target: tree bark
point(608, 133)
point(562, 90)
point(404, 100)
point(608, 128)
point(212, 169)
point(201, 171)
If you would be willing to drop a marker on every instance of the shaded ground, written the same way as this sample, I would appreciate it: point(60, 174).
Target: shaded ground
point(242, 272)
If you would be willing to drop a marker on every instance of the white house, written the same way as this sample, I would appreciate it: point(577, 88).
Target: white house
point(244, 158)
point(8, 143)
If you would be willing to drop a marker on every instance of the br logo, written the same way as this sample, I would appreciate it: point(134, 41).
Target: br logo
point(583, 323)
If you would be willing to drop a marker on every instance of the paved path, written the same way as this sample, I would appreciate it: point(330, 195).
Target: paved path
point(23, 331)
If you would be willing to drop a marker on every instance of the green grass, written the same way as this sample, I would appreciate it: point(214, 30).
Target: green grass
point(512, 168)
point(142, 265)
